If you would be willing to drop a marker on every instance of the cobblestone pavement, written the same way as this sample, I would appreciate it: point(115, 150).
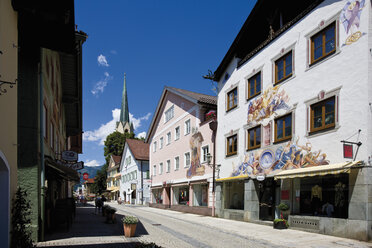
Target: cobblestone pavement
point(174, 229)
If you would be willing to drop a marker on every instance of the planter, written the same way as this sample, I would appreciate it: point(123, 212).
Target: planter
point(286, 214)
point(129, 230)
point(280, 225)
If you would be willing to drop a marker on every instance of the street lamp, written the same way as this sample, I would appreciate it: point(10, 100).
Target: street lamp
point(213, 126)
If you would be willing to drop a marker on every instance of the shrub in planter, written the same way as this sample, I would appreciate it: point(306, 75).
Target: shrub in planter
point(130, 225)
point(281, 224)
point(284, 210)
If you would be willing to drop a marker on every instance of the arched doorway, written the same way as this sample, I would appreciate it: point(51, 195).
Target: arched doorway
point(4, 203)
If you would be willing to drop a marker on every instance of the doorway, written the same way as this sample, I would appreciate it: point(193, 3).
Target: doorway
point(267, 199)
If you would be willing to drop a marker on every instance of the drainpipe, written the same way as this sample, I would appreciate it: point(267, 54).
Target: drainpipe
point(213, 126)
point(42, 170)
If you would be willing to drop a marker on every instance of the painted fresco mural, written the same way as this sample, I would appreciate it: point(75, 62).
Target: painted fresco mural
point(196, 168)
point(290, 156)
point(350, 19)
point(262, 109)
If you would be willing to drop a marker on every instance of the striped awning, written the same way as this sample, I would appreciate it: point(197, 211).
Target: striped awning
point(320, 170)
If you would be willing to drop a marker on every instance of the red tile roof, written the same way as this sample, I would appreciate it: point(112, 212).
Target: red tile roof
point(116, 159)
point(90, 180)
point(139, 149)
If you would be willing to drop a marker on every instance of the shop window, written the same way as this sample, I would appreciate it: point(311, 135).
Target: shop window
point(254, 85)
point(323, 43)
point(157, 196)
point(283, 128)
point(231, 145)
point(183, 196)
point(200, 195)
point(325, 196)
point(283, 68)
point(254, 138)
point(234, 195)
point(322, 115)
point(232, 99)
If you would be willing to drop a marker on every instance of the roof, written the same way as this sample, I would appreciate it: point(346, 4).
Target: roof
point(201, 98)
point(267, 20)
point(139, 149)
point(116, 159)
point(191, 96)
point(90, 180)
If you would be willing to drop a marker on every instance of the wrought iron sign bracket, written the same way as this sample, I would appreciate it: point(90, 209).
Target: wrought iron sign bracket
point(3, 91)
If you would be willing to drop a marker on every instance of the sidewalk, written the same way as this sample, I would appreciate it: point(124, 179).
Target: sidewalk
point(89, 229)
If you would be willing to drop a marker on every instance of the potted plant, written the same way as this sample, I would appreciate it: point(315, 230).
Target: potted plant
point(280, 223)
point(284, 210)
point(110, 214)
point(130, 225)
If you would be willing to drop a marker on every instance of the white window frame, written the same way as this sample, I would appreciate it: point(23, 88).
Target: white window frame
point(154, 146)
point(185, 160)
point(161, 143)
point(154, 170)
point(204, 155)
point(169, 137)
point(177, 163)
point(168, 166)
point(187, 126)
point(160, 168)
point(177, 135)
point(169, 114)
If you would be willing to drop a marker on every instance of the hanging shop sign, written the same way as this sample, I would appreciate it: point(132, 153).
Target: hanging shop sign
point(70, 156)
point(348, 151)
point(260, 177)
point(77, 166)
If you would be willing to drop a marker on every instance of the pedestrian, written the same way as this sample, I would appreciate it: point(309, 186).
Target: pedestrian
point(103, 199)
point(98, 203)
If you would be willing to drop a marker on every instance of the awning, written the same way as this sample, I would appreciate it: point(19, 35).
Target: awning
point(232, 178)
point(320, 170)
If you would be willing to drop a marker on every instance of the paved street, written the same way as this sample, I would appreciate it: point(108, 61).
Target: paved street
point(174, 229)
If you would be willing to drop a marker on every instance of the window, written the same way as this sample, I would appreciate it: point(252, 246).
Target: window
point(322, 115)
point(169, 114)
point(234, 194)
point(232, 99)
point(177, 133)
point(187, 159)
point(254, 85)
point(161, 143)
point(232, 145)
point(128, 160)
point(283, 68)
point(169, 137)
point(160, 168)
point(147, 174)
point(154, 171)
point(283, 128)
point(168, 166)
point(176, 163)
point(205, 151)
point(155, 146)
point(323, 43)
point(254, 138)
point(187, 127)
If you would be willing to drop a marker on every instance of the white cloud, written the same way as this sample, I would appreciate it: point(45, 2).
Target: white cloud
point(137, 121)
point(92, 163)
point(141, 135)
point(101, 133)
point(99, 87)
point(102, 60)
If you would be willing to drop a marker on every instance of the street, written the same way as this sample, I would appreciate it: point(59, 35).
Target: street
point(175, 229)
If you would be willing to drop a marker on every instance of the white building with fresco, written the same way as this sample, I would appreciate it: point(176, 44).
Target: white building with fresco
point(135, 174)
point(293, 85)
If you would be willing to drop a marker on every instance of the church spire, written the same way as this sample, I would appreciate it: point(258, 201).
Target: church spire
point(124, 112)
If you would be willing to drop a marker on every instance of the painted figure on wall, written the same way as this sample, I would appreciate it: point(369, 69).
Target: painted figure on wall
point(262, 109)
point(291, 156)
point(196, 169)
point(350, 19)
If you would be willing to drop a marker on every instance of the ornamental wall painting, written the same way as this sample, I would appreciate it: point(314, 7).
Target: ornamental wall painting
point(196, 168)
point(291, 156)
point(262, 110)
point(350, 19)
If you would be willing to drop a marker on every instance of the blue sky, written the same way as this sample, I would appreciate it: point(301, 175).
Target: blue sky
point(156, 43)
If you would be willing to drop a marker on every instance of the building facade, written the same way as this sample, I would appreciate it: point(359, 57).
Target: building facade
point(135, 174)
point(180, 140)
point(8, 110)
point(113, 177)
point(295, 117)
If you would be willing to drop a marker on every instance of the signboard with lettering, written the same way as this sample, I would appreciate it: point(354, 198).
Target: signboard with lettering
point(69, 156)
point(77, 166)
